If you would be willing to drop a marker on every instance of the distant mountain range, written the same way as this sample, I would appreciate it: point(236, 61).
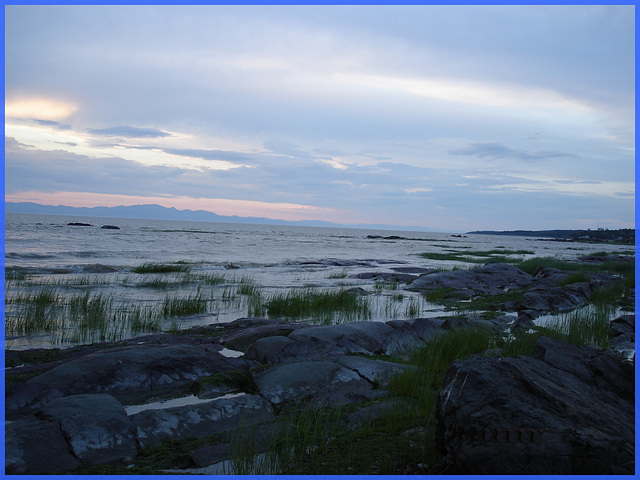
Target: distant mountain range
point(158, 212)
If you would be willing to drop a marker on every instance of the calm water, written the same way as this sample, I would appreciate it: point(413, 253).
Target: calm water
point(43, 251)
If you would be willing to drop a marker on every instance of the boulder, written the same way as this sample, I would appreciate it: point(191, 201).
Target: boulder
point(557, 299)
point(36, 447)
point(109, 227)
point(490, 279)
point(195, 421)
point(564, 410)
point(96, 427)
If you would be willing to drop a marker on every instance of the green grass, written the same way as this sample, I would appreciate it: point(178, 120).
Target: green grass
point(318, 304)
point(161, 268)
point(184, 306)
point(575, 277)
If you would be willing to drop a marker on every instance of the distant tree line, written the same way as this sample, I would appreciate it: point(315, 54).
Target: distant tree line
point(622, 235)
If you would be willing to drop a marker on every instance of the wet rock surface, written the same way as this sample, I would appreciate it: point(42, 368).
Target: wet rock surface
point(564, 410)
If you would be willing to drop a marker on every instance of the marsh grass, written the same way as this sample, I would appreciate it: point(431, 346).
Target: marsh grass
point(575, 277)
point(339, 275)
point(212, 278)
point(320, 305)
point(184, 306)
point(90, 313)
point(161, 268)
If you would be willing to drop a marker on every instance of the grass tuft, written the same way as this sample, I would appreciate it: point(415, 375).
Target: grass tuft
point(161, 268)
point(320, 305)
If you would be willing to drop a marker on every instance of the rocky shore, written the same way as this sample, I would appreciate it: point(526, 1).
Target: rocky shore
point(565, 409)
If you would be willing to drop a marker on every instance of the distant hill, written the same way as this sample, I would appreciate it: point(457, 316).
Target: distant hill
point(158, 212)
point(622, 235)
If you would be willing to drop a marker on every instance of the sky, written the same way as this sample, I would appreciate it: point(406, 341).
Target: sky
point(452, 118)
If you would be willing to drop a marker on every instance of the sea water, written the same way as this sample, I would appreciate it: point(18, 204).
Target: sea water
point(44, 251)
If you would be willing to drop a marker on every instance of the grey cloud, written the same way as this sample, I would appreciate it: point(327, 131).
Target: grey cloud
point(225, 155)
point(577, 182)
point(130, 132)
point(494, 150)
point(51, 123)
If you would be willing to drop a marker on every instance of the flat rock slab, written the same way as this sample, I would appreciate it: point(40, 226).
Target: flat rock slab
point(300, 380)
point(241, 339)
point(368, 336)
point(564, 410)
point(195, 421)
point(377, 372)
point(137, 373)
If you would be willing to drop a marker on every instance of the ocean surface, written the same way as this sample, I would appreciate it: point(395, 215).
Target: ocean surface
point(44, 252)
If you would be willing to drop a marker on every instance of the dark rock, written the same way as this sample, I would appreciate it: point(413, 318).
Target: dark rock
point(564, 410)
point(269, 350)
point(622, 332)
point(241, 339)
point(558, 299)
point(24, 398)
point(523, 323)
point(300, 380)
point(110, 227)
point(387, 276)
point(489, 279)
point(355, 337)
point(195, 421)
point(95, 426)
point(138, 372)
point(376, 372)
point(35, 447)
point(418, 270)
point(79, 224)
point(495, 323)
point(410, 333)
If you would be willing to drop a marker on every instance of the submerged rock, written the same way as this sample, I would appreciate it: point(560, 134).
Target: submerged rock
point(564, 410)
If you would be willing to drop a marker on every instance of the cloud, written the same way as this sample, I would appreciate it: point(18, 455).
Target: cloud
point(494, 150)
point(220, 155)
point(51, 123)
point(130, 132)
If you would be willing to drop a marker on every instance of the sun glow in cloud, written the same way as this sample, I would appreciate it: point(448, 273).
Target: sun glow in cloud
point(40, 108)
